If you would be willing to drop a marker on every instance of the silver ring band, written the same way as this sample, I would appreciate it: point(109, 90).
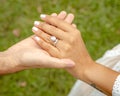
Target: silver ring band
point(55, 42)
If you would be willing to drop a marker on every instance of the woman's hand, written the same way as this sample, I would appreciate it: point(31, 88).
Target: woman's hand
point(69, 43)
point(62, 40)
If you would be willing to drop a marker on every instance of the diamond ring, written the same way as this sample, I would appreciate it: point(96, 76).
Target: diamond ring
point(54, 40)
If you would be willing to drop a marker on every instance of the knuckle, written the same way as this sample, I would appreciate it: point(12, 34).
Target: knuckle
point(41, 34)
point(46, 26)
point(67, 48)
point(52, 29)
point(48, 48)
point(74, 37)
point(47, 38)
point(52, 20)
point(61, 24)
point(45, 46)
point(41, 44)
point(56, 30)
point(42, 25)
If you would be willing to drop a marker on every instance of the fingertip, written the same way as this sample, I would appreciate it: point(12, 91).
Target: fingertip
point(42, 16)
point(36, 23)
point(54, 14)
point(63, 12)
point(36, 38)
point(35, 29)
point(71, 15)
point(69, 18)
point(62, 15)
point(68, 62)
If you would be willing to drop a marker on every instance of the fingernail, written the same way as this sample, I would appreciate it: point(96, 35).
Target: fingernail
point(54, 15)
point(37, 38)
point(36, 23)
point(42, 16)
point(70, 64)
point(35, 29)
point(64, 12)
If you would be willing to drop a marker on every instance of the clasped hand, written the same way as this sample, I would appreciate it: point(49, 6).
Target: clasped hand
point(27, 54)
point(69, 43)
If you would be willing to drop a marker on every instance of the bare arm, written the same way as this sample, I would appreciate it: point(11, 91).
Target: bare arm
point(71, 45)
point(7, 63)
point(101, 77)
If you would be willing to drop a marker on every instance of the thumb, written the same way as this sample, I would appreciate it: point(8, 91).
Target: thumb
point(60, 63)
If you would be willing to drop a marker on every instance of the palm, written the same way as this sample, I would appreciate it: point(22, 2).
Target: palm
point(29, 52)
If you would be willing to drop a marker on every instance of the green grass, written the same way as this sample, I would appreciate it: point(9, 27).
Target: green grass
point(98, 21)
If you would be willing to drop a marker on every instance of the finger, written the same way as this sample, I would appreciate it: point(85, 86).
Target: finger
point(69, 19)
point(54, 14)
point(62, 15)
point(47, 38)
point(53, 51)
point(49, 29)
point(59, 63)
point(57, 22)
point(74, 25)
point(41, 34)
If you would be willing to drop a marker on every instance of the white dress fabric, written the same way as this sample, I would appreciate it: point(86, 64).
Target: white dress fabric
point(110, 59)
point(116, 87)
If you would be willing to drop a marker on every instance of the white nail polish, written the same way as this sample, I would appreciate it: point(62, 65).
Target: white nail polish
point(42, 16)
point(36, 23)
point(35, 29)
point(37, 38)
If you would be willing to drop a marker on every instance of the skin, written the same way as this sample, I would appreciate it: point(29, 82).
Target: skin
point(71, 45)
point(27, 54)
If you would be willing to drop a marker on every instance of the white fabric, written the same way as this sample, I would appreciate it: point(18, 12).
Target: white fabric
point(110, 59)
point(116, 87)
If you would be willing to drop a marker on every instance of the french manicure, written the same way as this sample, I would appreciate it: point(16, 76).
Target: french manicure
point(42, 16)
point(37, 38)
point(35, 29)
point(37, 23)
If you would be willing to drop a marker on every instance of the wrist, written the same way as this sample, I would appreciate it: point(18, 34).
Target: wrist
point(4, 62)
point(82, 68)
point(8, 63)
point(102, 77)
point(89, 70)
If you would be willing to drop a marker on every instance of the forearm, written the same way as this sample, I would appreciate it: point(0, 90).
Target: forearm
point(7, 64)
point(101, 77)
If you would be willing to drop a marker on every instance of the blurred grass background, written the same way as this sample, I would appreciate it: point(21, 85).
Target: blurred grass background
point(98, 20)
